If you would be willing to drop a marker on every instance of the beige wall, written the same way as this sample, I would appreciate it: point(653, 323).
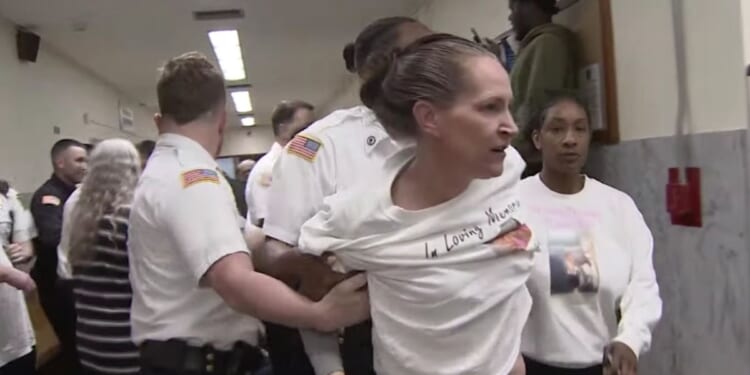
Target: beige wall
point(242, 141)
point(35, 97)
point(746, 28)
point(644, 51)
point(488, 17)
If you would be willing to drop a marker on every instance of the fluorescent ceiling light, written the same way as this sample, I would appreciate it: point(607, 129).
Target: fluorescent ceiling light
point(242, 103)
point(248, 121)
point(226, 45)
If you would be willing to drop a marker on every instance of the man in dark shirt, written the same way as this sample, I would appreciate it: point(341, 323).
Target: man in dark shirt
point(69, 165)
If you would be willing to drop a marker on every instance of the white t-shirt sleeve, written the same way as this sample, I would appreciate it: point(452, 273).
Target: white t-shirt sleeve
point(641, 305)
point(64, 269)
point(315, 235)
point(334, 229)
point(323, 351)
point(297, 192)
point(202, 220)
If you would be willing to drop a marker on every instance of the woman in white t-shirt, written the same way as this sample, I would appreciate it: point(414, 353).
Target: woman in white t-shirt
point(440, 233)
point(596, 300)
point(17, 354)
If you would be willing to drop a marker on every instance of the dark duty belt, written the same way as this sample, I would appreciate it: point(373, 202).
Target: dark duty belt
point(178, 356)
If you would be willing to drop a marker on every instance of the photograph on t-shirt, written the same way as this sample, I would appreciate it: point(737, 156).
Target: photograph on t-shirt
point(572, 263)
point(513, 236)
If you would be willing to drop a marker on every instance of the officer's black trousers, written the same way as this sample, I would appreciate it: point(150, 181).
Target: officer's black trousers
point(288, 355)
point(25, 365)
point(56, 298)
point(286, 350)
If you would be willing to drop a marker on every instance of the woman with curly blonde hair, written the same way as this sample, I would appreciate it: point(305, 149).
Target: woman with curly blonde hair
point(99, 257)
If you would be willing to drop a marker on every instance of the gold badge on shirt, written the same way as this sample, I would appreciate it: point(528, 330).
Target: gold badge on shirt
point(265, 180)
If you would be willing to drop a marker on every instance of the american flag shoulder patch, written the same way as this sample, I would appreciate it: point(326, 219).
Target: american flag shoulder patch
point(195, 176)
point(305, 147)
point(50, 200)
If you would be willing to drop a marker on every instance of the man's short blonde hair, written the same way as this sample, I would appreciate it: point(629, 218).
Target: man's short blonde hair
point(189, 87)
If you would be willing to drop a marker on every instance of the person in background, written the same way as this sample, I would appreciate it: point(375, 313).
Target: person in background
point(17, 341)
point(244, 168)
point(145, 149)
point(99, 257)
point(4, 188)
point(346, 147)
point(594, 285)
point(287, 119)
point(548, 59)
point(441, 236)
point(238, 191)
point(197, 300)
point(69, 167)
point(242, 172)
point(64, 271)
point(12, 213)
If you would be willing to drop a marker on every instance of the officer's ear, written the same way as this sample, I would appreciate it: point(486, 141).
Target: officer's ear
point(158, 120)
point(222, 120)
point(58, 162)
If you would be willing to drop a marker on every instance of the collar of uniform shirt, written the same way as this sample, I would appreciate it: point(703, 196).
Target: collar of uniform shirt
point(377, 135)
point(177, 141)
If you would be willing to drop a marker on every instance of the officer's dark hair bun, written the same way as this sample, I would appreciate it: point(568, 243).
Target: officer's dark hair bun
point(548, 6)
point(430, 69)
point(348, 53)
point(377, 38)
point(371, 91)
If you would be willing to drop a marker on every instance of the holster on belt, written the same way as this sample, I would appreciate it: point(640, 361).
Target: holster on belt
point(244, 359)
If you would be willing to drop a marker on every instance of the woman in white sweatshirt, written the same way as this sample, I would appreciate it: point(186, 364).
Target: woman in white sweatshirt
point(441, 234)
point(596, 300)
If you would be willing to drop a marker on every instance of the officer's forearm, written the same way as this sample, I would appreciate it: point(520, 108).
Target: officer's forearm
point(259, 295)
point(4, 272)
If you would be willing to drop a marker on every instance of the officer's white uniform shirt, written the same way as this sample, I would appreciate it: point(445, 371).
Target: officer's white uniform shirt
point(16, 332)
point(334, 153)
point(447, 284)
point(258, 183)
point(352, 147)
point(64, 270)
point(183, 219)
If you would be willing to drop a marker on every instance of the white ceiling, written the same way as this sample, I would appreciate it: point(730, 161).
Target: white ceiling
point(292, 48)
